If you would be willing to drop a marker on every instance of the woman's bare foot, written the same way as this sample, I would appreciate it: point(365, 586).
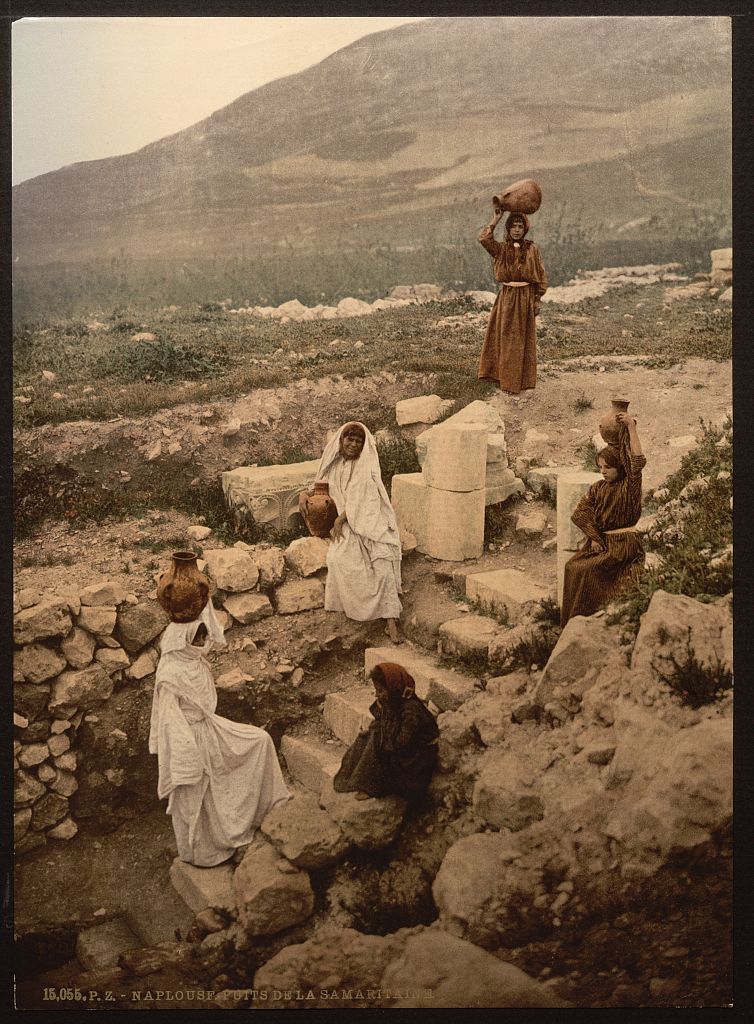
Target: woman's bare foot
point(362, 796)
point(393, 632)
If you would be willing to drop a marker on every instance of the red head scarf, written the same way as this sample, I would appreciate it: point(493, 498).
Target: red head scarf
point(398, 683)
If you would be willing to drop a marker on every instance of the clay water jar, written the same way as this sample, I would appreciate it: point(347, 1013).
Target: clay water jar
point(524, 196)
point(609, 424)
point(182, 590)
point(319, 511)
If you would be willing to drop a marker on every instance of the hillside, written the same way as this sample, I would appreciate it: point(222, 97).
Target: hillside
point(428, 117)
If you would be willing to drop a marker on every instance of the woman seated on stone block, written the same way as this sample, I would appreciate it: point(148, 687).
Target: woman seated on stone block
point(220, 777)
point(397, 754)
point(612, 554)
point(364, 560)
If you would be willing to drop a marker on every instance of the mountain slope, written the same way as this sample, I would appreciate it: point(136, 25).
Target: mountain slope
point(427, 113)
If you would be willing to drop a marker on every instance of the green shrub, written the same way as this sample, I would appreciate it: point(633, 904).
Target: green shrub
point(160, 360)
point(397, 455)
point(699, 683)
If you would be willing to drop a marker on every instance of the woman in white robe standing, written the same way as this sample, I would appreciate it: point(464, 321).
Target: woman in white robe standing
point(220, 777)
point(364, 559)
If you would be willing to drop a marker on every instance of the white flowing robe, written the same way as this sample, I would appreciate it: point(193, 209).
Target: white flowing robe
point(220, 777)
point(364, 566)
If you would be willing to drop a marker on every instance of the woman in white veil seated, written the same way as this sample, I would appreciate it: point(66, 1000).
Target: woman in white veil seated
point(364, 560)
point(220, 777)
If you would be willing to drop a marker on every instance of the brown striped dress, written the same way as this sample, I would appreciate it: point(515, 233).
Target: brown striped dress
point(592, 579)
point(509, 352)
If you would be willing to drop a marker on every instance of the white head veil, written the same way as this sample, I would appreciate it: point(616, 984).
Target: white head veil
point(368, 509)
point(178, 635)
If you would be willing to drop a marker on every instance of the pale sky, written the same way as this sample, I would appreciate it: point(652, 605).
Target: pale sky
point(86, 88)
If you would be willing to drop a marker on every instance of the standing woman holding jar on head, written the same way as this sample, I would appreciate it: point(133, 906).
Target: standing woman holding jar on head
point(509, 352)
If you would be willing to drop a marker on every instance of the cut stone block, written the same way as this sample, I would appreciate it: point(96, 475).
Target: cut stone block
point(545, 478)
point(507, 591)
point(200, 888)
point(456, 457)
point(468, 635)
point(475, 412)
point(425, 409)
point(571, 488)
point(445, 688)
point(270, 493)
point(448, 525)
point(503, 488)
point(101, 946)
point(310, 761)
point(347, 713)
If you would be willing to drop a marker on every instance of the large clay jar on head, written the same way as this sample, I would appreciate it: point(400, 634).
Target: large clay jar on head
point(609, 423)
point(318, 510)
point(182, 590)
point(524, 196)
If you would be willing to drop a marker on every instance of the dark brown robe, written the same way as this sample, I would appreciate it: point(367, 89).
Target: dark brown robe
point(592, 579)
point(397, 754)
point(509, 352)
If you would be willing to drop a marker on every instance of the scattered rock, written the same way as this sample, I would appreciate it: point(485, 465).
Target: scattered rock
point(299, 596)
point(425, 409)
point(232, 569)
point(307, 555)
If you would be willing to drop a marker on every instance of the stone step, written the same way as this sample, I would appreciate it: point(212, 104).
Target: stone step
point(200, 888)
point(346, 712)
point(311, 762)
point(507, 591)
point(444, 687)
point(101, 945)
point(469, 636)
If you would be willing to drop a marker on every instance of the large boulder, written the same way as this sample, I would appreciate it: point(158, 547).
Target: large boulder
point(270, 892)
point(232, 569)
point(506, 792)
point(138, 624)
point(37, 663)
point(333, 958)
point(675, 628)
point(369, 824)
point(82, 689)
point(43, 621)
point(304, 833)
point(577, 658)
point(307, 555)
point(678, 800)
point(441, 970)
point(465, 886)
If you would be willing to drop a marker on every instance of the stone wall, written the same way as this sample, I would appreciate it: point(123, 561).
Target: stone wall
point(72, 651)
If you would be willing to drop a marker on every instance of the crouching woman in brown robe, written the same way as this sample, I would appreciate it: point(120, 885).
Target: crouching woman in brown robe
point(612, 554)
point(398, 752)
point(509, 352)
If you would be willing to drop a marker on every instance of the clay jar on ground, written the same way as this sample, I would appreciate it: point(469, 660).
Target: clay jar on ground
point(319, 511)
point(609, 423)
point(183, 591)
